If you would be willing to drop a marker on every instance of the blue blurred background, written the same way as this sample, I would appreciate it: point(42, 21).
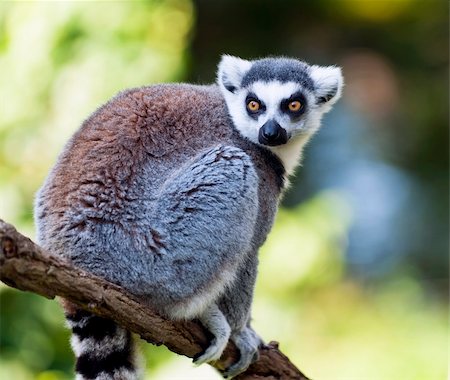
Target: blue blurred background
point(354, 277)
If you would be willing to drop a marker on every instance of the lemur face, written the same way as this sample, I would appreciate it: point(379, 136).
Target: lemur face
point(273, 101)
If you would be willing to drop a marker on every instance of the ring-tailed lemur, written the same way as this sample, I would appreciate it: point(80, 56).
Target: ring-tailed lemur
point(169, 191)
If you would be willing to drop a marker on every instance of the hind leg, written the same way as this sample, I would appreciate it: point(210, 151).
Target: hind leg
point(214, 320)
point(236, 305)
point(199, 233)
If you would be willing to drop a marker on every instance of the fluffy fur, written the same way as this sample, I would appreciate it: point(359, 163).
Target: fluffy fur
point(164, 191)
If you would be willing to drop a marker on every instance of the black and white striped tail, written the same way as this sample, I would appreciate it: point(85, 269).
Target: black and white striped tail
point(104, 350)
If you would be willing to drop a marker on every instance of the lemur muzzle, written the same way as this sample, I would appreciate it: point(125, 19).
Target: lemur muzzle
point(272, 134)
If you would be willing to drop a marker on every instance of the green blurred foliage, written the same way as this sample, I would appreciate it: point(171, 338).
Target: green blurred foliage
point(330, 325)
point(61, 60)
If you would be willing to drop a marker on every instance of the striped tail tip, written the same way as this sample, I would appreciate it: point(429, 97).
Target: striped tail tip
point(104, 350)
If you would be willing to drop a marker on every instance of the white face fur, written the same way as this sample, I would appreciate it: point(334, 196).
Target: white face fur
point(278, 102)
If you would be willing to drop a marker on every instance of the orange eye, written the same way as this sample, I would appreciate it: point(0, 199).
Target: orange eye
point(295, 106)
point(253, 106)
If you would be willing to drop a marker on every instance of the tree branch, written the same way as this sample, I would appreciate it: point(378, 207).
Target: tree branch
point(26, 266)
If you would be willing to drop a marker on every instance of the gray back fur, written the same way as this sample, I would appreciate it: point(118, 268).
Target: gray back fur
point(159, 193)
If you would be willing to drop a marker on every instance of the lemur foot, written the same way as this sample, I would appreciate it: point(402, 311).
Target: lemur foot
point(247, 341)
point(213, 352)
point(216, 323)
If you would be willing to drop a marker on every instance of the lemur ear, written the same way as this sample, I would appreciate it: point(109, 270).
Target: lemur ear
point(231, 71)
point(328, 82)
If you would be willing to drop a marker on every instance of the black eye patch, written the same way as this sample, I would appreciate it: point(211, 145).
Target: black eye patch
point(251, 97)
point(296, 97)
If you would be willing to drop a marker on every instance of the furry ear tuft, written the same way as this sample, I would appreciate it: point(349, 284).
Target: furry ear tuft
point(328, 83)
point(231, 71)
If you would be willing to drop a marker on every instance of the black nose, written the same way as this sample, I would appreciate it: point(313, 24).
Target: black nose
point(271, 133)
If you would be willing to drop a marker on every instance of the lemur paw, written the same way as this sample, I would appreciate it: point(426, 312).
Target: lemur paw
point(247, 341)
point(213, 352)
point(214, 320)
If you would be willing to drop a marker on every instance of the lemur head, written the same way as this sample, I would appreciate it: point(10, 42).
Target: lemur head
point(278, 102)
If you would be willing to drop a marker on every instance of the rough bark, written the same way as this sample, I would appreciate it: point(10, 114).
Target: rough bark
point(26, 266)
